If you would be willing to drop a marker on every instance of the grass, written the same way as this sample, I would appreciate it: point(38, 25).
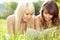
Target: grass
point(3, 29)
point(48, 34)
point(3, 26)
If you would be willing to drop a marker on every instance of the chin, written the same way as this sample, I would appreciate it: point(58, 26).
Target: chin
point(47, 20)
point(25, 21)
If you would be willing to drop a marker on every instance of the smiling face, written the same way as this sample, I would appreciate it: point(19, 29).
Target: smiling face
point(47, 16)
point(27, 15)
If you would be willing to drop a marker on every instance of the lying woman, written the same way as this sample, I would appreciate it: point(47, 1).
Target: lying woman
point(22, 17)
point(48, 16)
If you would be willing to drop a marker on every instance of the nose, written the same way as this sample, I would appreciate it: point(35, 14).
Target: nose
point(29, 17)
point(47, 16)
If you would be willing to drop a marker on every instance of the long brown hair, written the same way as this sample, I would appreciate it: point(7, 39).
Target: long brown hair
point(52, 9)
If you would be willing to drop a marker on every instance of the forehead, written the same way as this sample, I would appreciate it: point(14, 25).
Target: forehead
point(28, 11)
point(45, 10)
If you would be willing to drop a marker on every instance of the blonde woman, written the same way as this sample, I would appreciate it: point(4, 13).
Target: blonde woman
point(21, 19)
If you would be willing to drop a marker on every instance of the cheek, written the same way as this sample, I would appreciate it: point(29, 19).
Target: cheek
point(50, 17)
point(44, 15)
point(25, 18)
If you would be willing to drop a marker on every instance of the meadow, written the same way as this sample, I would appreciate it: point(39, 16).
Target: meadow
point(49, 34)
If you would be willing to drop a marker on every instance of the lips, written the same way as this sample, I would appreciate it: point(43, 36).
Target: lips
point(47, 19)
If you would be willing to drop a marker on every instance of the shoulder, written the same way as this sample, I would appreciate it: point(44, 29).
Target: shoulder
point(38, 17)
point(10, 18)
point(33, 18)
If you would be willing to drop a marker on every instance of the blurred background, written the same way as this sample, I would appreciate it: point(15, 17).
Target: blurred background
point(7, 7)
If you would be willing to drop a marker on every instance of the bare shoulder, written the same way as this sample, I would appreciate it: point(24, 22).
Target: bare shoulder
point(10, 18)
point(37, 17)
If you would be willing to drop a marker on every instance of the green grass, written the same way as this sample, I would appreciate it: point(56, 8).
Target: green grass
point(48, 34)
point(3, 26)
point(3, 29)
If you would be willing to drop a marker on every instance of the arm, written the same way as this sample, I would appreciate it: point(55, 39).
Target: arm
point(32, 26)
point(10, 24)
point(37, 23)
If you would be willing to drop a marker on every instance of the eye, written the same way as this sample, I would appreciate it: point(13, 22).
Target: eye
point(46, 13)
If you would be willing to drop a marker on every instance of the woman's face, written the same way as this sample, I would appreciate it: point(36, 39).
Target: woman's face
point(47, 16)
point(27, 15)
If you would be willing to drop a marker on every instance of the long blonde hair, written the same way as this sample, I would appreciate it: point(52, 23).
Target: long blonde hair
point(19, 13)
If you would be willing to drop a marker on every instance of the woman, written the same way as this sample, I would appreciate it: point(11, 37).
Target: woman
point(22, 17)
point(48, 16)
